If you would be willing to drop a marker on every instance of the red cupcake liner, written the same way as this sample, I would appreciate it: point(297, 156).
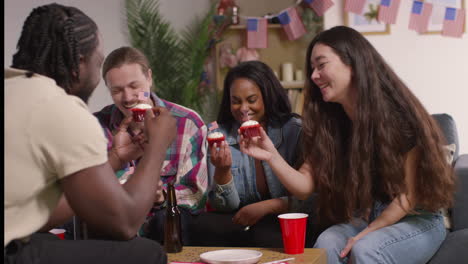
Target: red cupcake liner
point(212, 141)
point(250, 131)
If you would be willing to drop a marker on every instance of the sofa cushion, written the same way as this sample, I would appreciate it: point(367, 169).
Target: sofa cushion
point(449, 129)
point(453, 250)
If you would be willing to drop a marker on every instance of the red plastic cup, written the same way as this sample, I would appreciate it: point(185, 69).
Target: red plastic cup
point(58, 232)
point(293, 230)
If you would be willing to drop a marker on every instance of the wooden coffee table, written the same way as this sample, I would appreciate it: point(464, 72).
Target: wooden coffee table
point(310, 255)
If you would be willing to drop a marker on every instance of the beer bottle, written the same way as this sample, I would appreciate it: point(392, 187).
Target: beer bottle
point(172, 226)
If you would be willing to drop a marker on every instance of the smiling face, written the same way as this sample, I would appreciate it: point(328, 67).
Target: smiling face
point(331, 75)
point(125, 83)
point(246, 101)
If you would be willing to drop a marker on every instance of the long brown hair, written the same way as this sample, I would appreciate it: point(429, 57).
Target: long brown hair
point(356, 162)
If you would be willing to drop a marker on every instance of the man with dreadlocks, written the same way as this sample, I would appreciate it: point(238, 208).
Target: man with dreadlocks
point(54, 147)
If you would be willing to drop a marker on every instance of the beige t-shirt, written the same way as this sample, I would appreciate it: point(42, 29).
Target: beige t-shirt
point(48, 136)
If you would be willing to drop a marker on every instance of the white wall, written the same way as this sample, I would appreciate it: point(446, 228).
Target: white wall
point(434, 67)
point(109, 15)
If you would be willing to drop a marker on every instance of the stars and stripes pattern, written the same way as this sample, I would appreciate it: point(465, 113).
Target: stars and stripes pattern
point(257, 35)
point(319, 6)
point(292, 23)
point(453, 22)
point(212, 126)
point(388, 10)
point(420, 15)
point(355, 6)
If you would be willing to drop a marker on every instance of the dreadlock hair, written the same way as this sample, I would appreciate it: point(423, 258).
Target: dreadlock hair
point(52, 40)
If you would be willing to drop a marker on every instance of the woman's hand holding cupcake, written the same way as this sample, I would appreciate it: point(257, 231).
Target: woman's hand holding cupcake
point(221, 156)
point(258, 147)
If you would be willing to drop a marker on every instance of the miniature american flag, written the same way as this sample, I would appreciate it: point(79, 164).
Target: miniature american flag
point(388, 10)
point(212, 126)
point(420, 14)
point(453, 22)
point(320, 6)
point(292, 23)
point(143, 96)
point(257, 33)
point(355, 6)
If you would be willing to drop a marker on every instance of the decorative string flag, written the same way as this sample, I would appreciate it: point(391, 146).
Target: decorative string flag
point(453, 22)
point(257, 33)
point(420, 14)
point(319, 6)
point(212, 126)
point(354, 6)
point(388, 10)
point(292, 23)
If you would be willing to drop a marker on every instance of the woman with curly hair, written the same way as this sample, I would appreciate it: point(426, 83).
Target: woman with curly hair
point(372, 153)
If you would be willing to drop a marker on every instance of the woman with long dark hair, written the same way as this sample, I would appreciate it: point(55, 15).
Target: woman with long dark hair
point(372, 153)
point(246, 190)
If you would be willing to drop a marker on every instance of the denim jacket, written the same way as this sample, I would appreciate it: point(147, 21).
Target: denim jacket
point(242, 190)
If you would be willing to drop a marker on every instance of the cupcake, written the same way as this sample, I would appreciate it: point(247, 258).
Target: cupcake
point(215, 137)
point(250, 129)
point(139, 112)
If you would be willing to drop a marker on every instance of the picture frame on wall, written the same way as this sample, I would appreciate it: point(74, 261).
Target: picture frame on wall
point(367, 23)
point(438, 13)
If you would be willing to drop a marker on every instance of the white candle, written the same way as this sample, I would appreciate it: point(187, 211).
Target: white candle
point(287, 71)
point(299, 75)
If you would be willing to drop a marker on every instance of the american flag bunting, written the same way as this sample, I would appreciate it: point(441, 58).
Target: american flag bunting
point(257, 34)
point(453, 22)
point(320, 6)
point(292, 23)
point(420, 15)
point(355, 6)
point(388, 10)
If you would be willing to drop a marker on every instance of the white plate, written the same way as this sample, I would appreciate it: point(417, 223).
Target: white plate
point(231, 256)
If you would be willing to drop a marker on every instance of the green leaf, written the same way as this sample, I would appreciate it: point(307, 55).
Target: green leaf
point(176, 61)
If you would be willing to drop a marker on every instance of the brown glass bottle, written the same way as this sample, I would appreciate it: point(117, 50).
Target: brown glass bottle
point(172, 226)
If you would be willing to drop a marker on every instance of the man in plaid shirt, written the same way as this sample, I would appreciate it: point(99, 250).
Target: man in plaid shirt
point(127, 74)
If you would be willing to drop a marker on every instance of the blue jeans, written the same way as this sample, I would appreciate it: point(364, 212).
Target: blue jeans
point(413, 239)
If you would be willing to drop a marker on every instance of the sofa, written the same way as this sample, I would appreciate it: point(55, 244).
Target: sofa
point(454, 249)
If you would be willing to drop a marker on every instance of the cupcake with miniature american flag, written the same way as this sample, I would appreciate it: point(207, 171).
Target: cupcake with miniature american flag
point(215, 137)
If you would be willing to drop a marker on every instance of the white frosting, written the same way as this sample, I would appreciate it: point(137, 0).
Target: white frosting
point(215, 135)
point(250, 123)
point(142, 106)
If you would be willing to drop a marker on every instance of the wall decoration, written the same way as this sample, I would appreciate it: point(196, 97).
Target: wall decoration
point(367, 22)
point(438, 13)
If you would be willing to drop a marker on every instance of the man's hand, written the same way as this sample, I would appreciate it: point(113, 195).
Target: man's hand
point(126, 147)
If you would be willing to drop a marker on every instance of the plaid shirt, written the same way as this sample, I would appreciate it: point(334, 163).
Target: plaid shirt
point(185, 158)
